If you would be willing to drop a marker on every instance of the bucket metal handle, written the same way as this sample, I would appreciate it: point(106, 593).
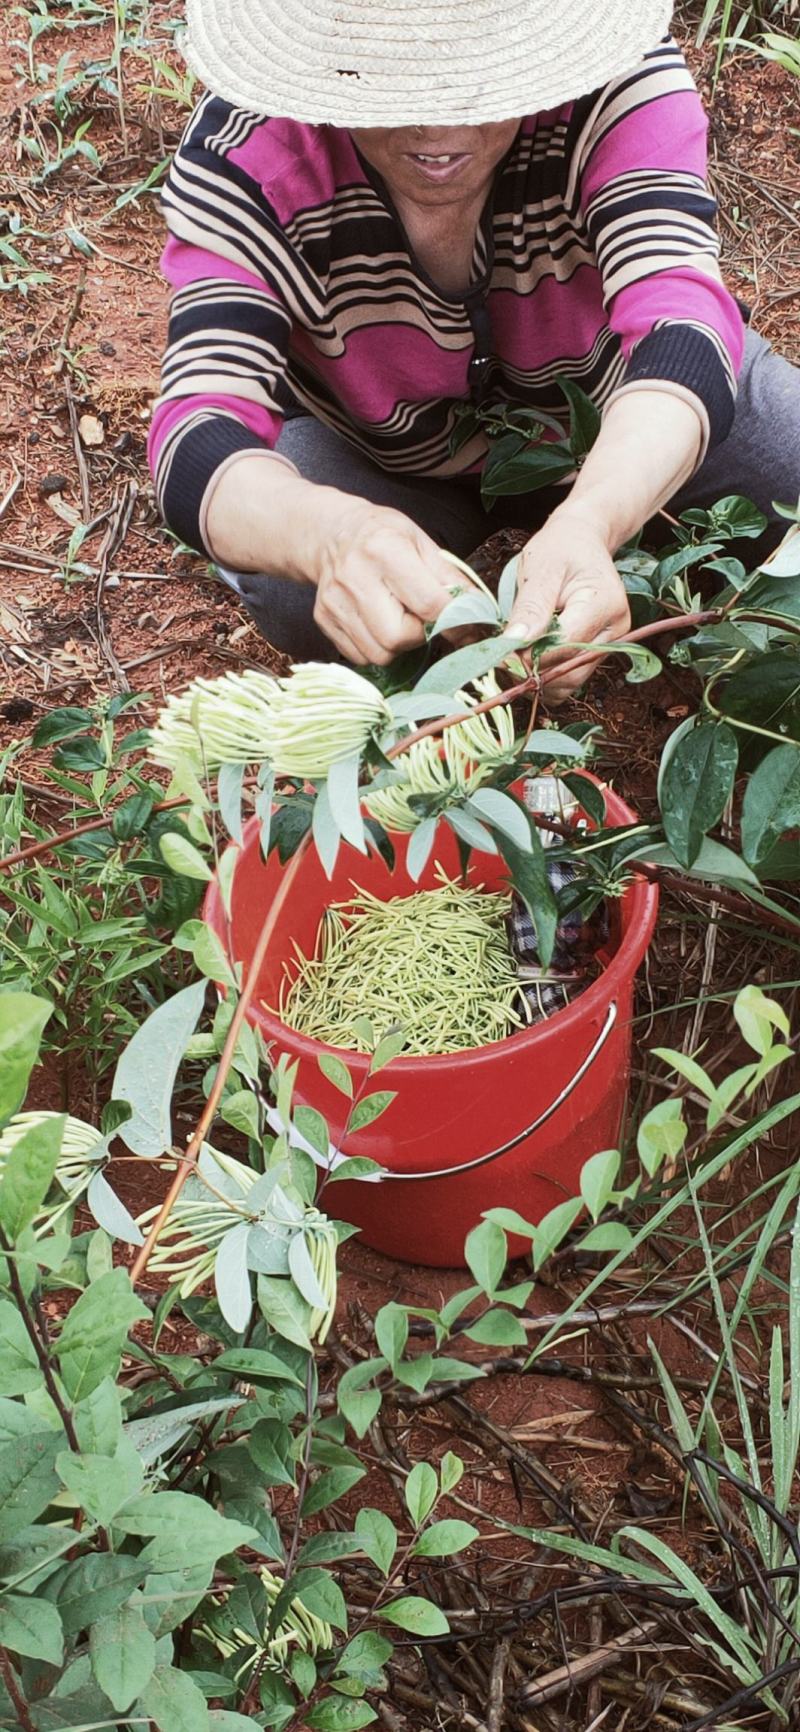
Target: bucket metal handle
point(336, 1157)
point(541, 1119)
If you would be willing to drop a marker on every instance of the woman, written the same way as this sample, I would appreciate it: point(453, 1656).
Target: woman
point(383, 211)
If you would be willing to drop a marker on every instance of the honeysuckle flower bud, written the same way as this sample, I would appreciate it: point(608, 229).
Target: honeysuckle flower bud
point(316, 715)
point(215, 722)
point(218, 1199)
point(454, 765)
point(322, 712)
point(83, 1150)
point(299, 1629)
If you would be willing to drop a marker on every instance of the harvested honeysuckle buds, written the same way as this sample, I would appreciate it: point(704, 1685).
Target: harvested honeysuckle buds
point(216, 722)
point(302, 724)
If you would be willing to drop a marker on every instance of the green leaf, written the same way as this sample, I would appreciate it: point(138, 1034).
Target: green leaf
point(123, 1655)
point(598, 1178)
point(337, 1714)
point(344, 800)
point(94, 1586)
point(28, 1174)
point(354, 1167)
point(504, 814)
point(771, 803)
point(451, 1471)
point(98, 1420)
point(584, 417)
point(174, 1702)
point(93, 1336)
point(463, 665)
point(28, 1480)
point(661, 1135)
point(697, 785)
point(370, 1108)
point(321, 1595)
point(314, 1128)
point(61, 724)
point(421, 1491)
point(498, 1329)
point(102, 1485)
point(609, 1236)
point(19, 1366)
point(528, 875)
point(378, 1536)
point(486, 1252)
point(146, 1072)
point(284, 1310)
point(130, 819)
point(110, 1212)
point(336, 1483)
point(337, 1073)
point(359, 1405)
point(325, 831)
point(391, 1332)
point(553, 1227)
point(757, 1016)
point(257, 1364)
point(389, 1047)
point(229, 796)
point(328, 1547)
point(22, 1021)
point(444, 1539)
point(32, 1628)
point(418, 851)
point(207, 952)
point(232, 1277)
point(181, 856)
point(418, 1616)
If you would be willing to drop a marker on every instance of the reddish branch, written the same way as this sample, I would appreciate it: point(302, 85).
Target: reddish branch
point(48, 843)
point(188, 1162)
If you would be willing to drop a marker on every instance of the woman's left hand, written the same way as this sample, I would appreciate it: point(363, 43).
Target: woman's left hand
point(566, 569)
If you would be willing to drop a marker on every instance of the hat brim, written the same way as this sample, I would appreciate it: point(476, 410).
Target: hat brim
point(415, 62)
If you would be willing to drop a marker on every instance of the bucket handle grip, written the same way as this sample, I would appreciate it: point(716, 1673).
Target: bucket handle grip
point(541, 1119)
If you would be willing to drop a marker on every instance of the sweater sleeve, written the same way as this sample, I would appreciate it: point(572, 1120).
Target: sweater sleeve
point(233, 277)
point(651, 220)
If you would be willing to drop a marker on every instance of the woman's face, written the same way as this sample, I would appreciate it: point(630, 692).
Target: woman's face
point(436, 165)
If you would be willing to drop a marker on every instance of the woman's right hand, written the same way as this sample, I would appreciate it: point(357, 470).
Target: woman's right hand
point(379, 578)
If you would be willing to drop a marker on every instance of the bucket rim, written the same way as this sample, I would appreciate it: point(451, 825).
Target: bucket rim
point(642, 897)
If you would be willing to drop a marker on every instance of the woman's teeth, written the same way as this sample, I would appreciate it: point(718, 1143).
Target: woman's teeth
point(422, 158)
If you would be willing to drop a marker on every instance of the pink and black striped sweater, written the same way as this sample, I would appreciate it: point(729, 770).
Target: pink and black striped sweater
point(293, 284)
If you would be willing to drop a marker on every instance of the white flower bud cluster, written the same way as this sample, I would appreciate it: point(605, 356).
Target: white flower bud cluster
point(302, 724)
point(454, 766)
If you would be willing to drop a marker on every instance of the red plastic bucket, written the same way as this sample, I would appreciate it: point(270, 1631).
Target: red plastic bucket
point(507, 1124)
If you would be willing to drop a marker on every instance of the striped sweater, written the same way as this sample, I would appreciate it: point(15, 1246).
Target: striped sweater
point(293, 283)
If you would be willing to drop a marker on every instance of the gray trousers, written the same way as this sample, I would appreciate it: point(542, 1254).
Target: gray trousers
point(760, 459)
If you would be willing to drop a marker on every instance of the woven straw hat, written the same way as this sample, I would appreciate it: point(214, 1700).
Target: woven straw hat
point(415, 62)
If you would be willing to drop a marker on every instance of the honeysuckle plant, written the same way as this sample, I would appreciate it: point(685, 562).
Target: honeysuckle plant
point(340, 756)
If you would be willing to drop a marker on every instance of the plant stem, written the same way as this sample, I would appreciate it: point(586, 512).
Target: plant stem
point(535, 681)
point(36, 1332)
point(48, 843)
point(189, 1161)
point(11, 1682)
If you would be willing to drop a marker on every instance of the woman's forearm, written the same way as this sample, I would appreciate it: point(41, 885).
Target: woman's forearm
point(648, 446)
point(262, 516)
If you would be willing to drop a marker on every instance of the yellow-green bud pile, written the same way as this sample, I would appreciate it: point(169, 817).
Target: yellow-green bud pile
point(438, 963)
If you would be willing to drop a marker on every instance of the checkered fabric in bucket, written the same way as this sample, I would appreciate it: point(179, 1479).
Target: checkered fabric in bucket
point(574, 964)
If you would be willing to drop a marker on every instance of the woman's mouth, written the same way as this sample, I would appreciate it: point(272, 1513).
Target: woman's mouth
point(444, 165)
